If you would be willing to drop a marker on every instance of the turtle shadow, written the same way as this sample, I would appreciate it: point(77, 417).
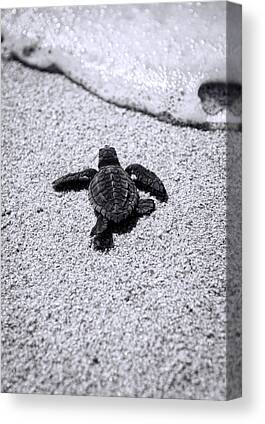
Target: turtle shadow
point(125, 226)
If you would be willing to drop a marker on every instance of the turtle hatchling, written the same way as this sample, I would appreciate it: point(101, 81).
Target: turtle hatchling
point(113, 193)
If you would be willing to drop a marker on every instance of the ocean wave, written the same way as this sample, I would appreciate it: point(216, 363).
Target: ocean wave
point(168, 60)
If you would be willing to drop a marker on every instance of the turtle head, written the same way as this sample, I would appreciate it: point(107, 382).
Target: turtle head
point(107, 156)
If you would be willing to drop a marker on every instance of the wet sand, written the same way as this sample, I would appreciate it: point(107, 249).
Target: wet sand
point(146, 319)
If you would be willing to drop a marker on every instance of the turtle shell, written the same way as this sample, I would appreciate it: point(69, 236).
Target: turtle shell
point(113, 194)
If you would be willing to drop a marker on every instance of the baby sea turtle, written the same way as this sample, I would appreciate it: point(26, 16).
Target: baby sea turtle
point(113, 193)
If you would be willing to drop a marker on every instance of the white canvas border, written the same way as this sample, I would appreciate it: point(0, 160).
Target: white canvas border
point(43, 409)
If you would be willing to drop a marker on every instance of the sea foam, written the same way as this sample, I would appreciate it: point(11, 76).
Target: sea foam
point(168, 60)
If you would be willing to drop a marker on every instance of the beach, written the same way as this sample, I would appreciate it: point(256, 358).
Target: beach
point(147, 318)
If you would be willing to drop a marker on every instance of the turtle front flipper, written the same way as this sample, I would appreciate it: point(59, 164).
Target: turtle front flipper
point(76, 181)
point(147, 181)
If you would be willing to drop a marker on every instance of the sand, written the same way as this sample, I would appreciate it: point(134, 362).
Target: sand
point(146, 319)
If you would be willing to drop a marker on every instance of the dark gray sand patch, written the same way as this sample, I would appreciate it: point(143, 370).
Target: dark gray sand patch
point(146, 319)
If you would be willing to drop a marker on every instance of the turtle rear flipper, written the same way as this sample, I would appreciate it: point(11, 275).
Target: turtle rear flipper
point(76, 181)
point(103, 238)
point(103, 241)
point(147, 181)
point(145, 207)
point(100, 227)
